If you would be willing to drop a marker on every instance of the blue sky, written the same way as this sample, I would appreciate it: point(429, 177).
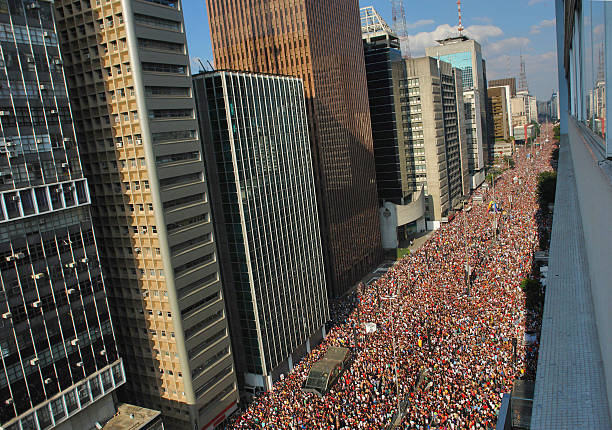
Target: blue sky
point(503, 28)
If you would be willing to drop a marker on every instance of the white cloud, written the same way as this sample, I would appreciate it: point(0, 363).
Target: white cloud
point(506, 45)
point(534, 2)
point(419, 23)
point(537, 29)
point(481, 33)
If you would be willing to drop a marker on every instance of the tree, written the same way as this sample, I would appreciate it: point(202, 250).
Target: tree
point(557, 132)
point(547, 185)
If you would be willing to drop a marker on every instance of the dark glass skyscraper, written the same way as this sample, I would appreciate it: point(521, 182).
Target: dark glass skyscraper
point(262, 190)
point(57, 344)
point(296, 38)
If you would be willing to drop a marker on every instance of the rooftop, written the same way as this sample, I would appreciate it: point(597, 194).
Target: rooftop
point(130, 417)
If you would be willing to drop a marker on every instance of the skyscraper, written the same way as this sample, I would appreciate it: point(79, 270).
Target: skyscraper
point(465, 54)
point(381, 48)
point(262, 189)
point(429, 98)
point(58, 349)
point(322, 45)
point(128, 75)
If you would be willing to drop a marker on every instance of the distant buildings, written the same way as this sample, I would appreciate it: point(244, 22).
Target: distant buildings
point(524, 109)
point(60, 367)
point(429, 93)
point(510, 82)
point(255, 136)
point(322, 45)
point(128, 75)
point(501, 125)
point(554, 106)
point(415, 117)
point(465, 54)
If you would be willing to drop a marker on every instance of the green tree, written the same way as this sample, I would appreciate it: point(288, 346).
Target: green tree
point(547, 185)
point(557, 132)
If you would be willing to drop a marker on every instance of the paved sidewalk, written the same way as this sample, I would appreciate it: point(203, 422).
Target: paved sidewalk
point(570, 388)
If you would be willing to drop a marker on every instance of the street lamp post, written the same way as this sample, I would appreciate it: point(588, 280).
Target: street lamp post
point(393, 297)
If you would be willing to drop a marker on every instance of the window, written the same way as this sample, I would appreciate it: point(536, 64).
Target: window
point(180, 270)
point(212, 381)
point(161, 45)
point(168, 91)
point(206, 343)
point(153, 21)
point(200, 240)
point(204, 323)
point(191, 200)
point(180, 180)
point(173, 136)
point(168, 3)
point(174, 158)
point(170, 113)
point(164, 68)
point(196, 220)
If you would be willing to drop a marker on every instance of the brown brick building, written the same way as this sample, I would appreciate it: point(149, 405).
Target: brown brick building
point(321, 45)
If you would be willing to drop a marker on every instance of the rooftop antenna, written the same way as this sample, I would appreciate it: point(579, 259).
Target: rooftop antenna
point(460, 28)
point(400, 27)
point(202, 68)
point(523, 77)
point(211, 66)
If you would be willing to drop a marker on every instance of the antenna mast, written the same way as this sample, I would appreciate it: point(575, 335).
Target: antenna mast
point(523, 77)
point(400, 26)
point(460, 28)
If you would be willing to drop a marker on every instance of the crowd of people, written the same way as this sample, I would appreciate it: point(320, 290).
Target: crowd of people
point(459, 339)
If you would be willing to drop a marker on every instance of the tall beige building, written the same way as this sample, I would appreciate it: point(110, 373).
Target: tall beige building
point(128, 75)
point(428, 105)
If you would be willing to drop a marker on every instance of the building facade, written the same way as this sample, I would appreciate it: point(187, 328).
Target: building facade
point(465, 54)
point(427, 106)
point(128, 75)
point(295, 39)
point(381, 48)
point(499, 106)
point(59, 354)
point(262, 186)
point(510, 82)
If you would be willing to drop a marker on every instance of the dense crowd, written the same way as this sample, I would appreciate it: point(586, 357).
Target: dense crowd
point(463, 335)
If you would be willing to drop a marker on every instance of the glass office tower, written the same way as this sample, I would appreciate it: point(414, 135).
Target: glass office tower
point(58, 352)
point(262, 185)
point(320, 43)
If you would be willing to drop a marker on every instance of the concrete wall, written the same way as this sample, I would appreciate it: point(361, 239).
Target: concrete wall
point(595, 199)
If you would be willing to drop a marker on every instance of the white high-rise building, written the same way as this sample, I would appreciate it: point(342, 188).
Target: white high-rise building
point(465, 54)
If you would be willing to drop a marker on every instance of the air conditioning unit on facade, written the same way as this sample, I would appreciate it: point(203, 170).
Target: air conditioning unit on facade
point(38, 276)
point(32, 6)
point(34, 361)
point(37, 304)
point(74, 342)
point(7, 315)
point(71, 265)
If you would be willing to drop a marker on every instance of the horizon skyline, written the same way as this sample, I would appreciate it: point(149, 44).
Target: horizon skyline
point(503, 31)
